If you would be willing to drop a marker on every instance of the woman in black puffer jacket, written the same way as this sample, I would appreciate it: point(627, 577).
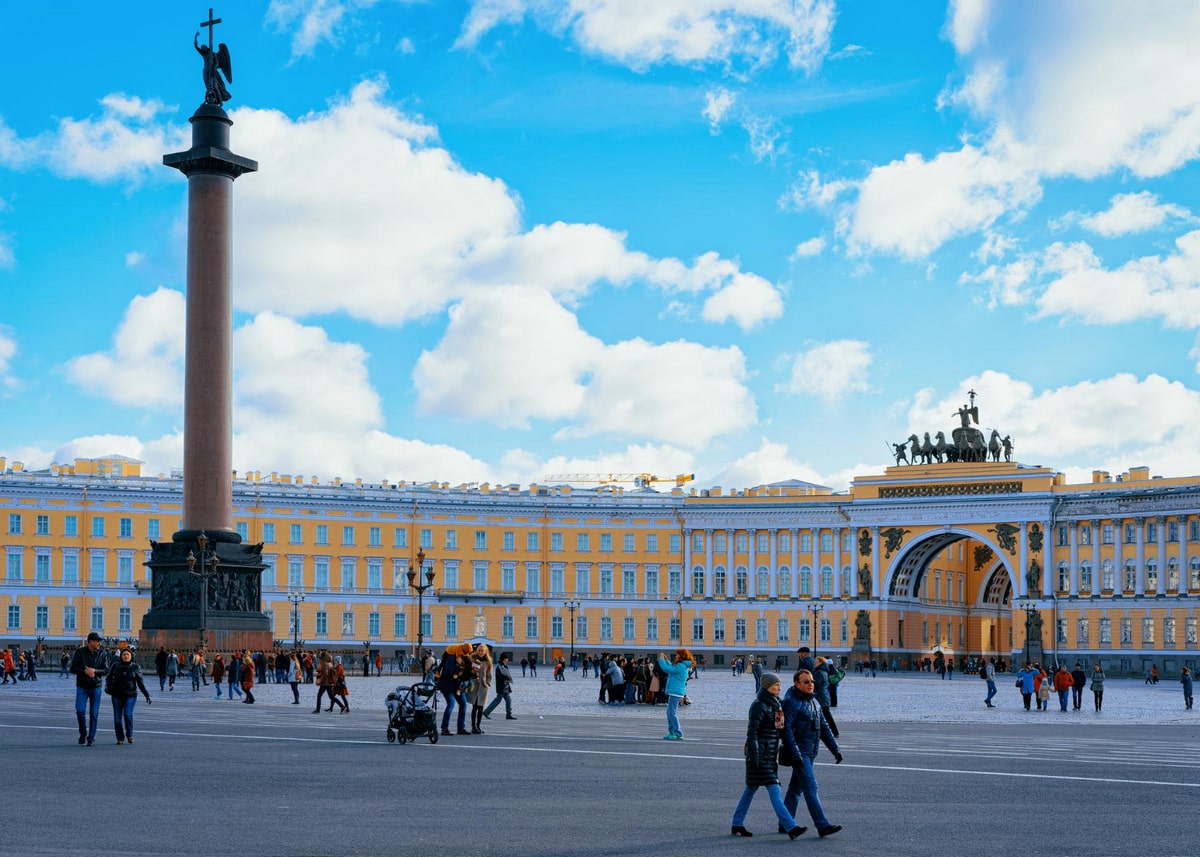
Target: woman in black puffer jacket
point(762, 758)
point(123, 683)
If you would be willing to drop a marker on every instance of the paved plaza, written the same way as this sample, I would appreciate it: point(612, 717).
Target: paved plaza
point(928, 770)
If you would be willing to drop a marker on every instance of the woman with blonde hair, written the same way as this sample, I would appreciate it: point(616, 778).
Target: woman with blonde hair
point(482, 659)
point(247, 676)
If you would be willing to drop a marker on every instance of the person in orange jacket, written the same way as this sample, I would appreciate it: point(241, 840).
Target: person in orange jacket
point(1062, 686)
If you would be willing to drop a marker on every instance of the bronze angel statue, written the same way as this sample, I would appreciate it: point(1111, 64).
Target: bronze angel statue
point(216, 63)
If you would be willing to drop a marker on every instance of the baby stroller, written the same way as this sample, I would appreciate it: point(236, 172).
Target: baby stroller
point(412, 712)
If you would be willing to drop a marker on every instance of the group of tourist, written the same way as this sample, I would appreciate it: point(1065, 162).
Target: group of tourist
point(465, 677)
point(18, 665)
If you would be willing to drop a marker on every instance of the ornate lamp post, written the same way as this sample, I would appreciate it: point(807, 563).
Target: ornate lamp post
point(572, 606)
point(413, 575)
point(815, 609)
point(1031, 610)
point(297, 598)
point(208, 563)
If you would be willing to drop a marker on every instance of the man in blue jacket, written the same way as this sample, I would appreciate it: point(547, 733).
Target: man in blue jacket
point(804, 731)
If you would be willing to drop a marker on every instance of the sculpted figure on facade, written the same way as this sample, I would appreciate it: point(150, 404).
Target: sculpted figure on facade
point(862, 626)
point(864, 581)
point(894, 537)
point(864, 542)
point(1033, 576)
point(1035, 539)
point(983, 553)
point(1006, 535)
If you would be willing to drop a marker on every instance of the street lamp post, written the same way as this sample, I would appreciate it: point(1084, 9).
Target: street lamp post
point(1031, 610)
point(207, 562)
point(572, 606)
point(296, 597)
point(815, 609)
point(413, 575)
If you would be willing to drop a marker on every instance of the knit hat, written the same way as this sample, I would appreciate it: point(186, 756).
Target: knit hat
point(768, 680)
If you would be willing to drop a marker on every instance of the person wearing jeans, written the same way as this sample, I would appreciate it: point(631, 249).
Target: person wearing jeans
point(503, 691)
point(677, 670)
point(804, 731)
point(89, 665)
point(764, 726)
point(988, 670)
point(125, 681)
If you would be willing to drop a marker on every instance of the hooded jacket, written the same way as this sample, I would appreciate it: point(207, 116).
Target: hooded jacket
point(763, 731)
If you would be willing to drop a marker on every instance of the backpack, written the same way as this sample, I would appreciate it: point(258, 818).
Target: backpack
point(837, 675)
point(983, 671)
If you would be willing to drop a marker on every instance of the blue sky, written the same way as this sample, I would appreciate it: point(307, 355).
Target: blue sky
point(492, 240)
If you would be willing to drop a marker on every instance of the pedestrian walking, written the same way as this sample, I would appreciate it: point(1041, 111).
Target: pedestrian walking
point(1186, 680)
point(122, 684)
point(89, 665)
point(821, 692)
point(1026, 684)
point(295, 674)
point(247, 678)
point(218, 672)
point(1098, 686)
point(503, 684)
point(232, 673)
point(805, 730)
point(987, 671)
point(483, 667)
point(172, 668)
point(764, 727)
point(1062, 686)
point(1078, 683)
point(676, 670)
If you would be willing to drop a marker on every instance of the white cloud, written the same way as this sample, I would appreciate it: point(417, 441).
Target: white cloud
point(1132, 212)
point(831, 370)
point(144, 366)
point(121, 144)
point(811, 247)
point(1152, 421)
point(513, 355)
point(134, 258)
point(717, 103)
point(1153, 286)
point(912, 206)
point(640, 35)
point(1007, 285)
point(8, 349)
point(765, 132)
point(317, 21)
point(746, 299)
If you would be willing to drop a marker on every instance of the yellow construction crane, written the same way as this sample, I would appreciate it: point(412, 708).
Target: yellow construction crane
point(640, 480)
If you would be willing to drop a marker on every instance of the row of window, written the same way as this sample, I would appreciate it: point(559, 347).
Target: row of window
point(14, 566)
point(1168, 624)
point(762, 541)
point(1129, 577)
point(1129, 533)
point(71, 526)
point(41, 618)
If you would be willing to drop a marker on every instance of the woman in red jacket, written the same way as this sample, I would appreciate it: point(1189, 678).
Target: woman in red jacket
point(247, 676)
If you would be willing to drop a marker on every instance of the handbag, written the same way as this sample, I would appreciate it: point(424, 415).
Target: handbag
point(785, 755)
point(1018, 682)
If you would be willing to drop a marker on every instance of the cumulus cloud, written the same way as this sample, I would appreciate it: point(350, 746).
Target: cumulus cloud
point(1132, 212)
point(747, 300)
point(123, 143)
point(811, 247)
point(144, 366)
point(831, 370)
point(8, 349)
point(1121, 420)
point(687, 32)
point(313, 22)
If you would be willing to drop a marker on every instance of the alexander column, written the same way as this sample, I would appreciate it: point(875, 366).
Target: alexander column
point(206, 583)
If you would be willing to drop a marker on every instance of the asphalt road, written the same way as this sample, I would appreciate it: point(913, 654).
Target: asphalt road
point(207, 779)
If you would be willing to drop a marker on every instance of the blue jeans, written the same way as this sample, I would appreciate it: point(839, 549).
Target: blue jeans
point(776, 795)
point(1062, 698)
point(804, 779)
point(451, 700)
point(123, 716)
point(87, 703)
point(991, 685)
point(673, 715)
point(506, 698)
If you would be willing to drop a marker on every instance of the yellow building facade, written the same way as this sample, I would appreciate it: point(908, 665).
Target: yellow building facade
point(910, 562)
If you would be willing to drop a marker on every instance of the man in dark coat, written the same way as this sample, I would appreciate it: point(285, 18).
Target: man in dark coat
point(803, 733)
point(89, 665)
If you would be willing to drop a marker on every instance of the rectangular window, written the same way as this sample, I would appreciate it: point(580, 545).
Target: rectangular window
point(805, 542)
point(508, 577)
point(697, 542)
point(1169, 631)
point(556, 627)
point(628, 543)
point(1194, 531)
point(740, 542)
point(426, 537)
point(826, 631)
point(43, 525)
point(697, 630)
point(674, 630)
point(582, 580)
point(41, 568)
point(1106, 631)
point(68, 618)
point(1062, 630)
point(581, 627)
point(1085, 535)
point(295, 574)
point(1189, 631)
point(582, 542)
point(1062, 535)
point(781, 630)
point(349, 574)
point(1147, 630)
point(1151, 532)
point(375, 575)
point(322, 534)
point(399, 537)
point(400, 625)
point(629, 580)
point(606, 543)
point(1106, 534)
point(41, 618)
point(826, 542)
point(531, 628)
point(481, 576)
point(606, 581)
point(295, 535)
point(14, 524)
point(652, 580)
point(1082, 632)
point(481, 540)
point(322, 623)
point(651, 629)
point(651, 542)
point(1130, 534)
point(13, 566)
point(556, 542)
point(97, 528)
point(98, 568)
point(718, 630)
point(629, 629)
point(14, 617)
point(70, 526)
point(97, 619)
point(373, 624)
point(739, 630)
point(531, 541)
point(1126, 631)
point(718, 541)
point(785, 542)
point(427, 624)
point(450, 576)
point(760, 630)
point(509, 541)
point(125, 569)
point(347, 624)
point(451, 540)
point(506, 627)
point(268, 533)
point(1172, 531)
point(70, 568)
point(674, 543)
point(762, 542)
point(243, 530)
point(125, 528)
point(347, 535)
point(557, 575)
point(375, 537)
point(321, 574)
point(124, 619)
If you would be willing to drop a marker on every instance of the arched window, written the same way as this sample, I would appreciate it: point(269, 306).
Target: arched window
point(742, 581)
point(826, 581)
point(719, 581)
point(785, 582)
point(698, 581)
point(762, 582)
point(847, 581)
point(805, 581)
point(1064, 577)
